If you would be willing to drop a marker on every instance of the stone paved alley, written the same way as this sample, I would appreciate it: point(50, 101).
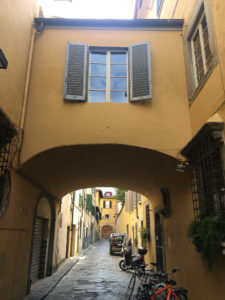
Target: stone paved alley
point(96, 276)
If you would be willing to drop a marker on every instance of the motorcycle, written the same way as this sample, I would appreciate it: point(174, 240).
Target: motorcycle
point(130, 261)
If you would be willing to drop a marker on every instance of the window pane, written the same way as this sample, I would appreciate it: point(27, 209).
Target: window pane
point(118, 70)
point(118, 83)
point(98, 57)
point(198, 57)
point(118, 97)
point(97, 83)
point(97, 96)
point(97, 69)
point(204, 24)
point(118, 58)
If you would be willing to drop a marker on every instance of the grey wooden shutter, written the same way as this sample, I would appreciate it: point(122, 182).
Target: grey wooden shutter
point(76, 72)
point(140, 72)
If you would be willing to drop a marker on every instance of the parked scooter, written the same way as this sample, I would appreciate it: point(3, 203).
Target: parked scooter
point(129, 261)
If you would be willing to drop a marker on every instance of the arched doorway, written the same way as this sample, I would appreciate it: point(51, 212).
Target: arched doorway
point(42, 238)
point(106, 231)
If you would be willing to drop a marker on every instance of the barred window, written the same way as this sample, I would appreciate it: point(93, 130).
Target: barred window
point(202, 55)
point(7, 132)
point(204, 154)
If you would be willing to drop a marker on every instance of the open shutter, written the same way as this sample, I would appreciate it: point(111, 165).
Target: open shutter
point(140, 72)
point(76, 72)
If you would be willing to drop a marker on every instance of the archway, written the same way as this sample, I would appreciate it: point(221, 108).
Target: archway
point(106, 231)
point(42, 238)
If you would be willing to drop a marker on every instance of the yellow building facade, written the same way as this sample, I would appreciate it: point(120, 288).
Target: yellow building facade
point(112, 134)
point(109, 210)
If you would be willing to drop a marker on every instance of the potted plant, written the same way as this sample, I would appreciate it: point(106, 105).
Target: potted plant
point(144, 236)
point(206, 235)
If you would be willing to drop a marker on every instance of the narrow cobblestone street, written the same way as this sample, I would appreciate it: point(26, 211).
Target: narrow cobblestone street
point(96, 276)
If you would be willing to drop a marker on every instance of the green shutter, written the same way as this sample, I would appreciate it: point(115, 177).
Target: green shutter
point(89, 202)
point(75, 83)
point(92, 210)
point(140, 72)
point(80, 200)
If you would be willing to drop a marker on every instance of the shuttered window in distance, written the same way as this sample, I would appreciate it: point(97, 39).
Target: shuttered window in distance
point(140, 72)
point(76, 72)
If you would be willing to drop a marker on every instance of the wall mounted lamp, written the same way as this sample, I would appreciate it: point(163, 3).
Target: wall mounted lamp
point(3, 60)
point(181, 166)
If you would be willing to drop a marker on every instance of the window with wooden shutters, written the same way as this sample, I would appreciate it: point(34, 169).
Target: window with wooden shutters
point(76, 72)
point(200, 49)
point(140, 72)
point(110, 76)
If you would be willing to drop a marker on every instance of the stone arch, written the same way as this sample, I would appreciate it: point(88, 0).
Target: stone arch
point(66, 168)
point(44, 210)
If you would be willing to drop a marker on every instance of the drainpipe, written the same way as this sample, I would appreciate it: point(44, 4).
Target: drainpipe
point(25, 95)
point(24, 105)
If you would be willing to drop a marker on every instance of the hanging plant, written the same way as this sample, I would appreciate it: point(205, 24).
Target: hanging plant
point(206, 236)
point(144, 236)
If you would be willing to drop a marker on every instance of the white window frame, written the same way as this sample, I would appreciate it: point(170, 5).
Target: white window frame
point(202, 46)
point(107, 204)
point(201, 9)
point(108, 76)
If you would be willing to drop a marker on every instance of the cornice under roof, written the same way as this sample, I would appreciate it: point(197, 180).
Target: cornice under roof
point(135, 24)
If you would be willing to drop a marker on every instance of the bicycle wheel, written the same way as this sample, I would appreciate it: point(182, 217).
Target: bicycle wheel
point(181, 296)
point(130, 287)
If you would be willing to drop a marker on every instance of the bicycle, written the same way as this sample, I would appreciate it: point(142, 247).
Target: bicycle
point(159, 287)
point(138, 273)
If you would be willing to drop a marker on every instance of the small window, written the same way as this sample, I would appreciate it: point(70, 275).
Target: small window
point(200, 51)
point(106, 217)
point(108, 204)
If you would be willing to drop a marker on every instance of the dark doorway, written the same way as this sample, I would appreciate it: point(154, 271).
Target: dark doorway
point(159, 242)
point(39, 249)
point(67, 241)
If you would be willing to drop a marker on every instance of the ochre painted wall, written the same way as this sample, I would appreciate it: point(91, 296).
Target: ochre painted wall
point(63, 221)
point(15, 34)
point(15, 239)
point(212, 95)
point(163, 121)
point(112, 212)
point(180, 252)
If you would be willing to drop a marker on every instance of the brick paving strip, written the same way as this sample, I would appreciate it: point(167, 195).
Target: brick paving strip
point(41, 288)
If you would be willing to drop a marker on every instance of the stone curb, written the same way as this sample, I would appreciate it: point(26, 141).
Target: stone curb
point(43, 287)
